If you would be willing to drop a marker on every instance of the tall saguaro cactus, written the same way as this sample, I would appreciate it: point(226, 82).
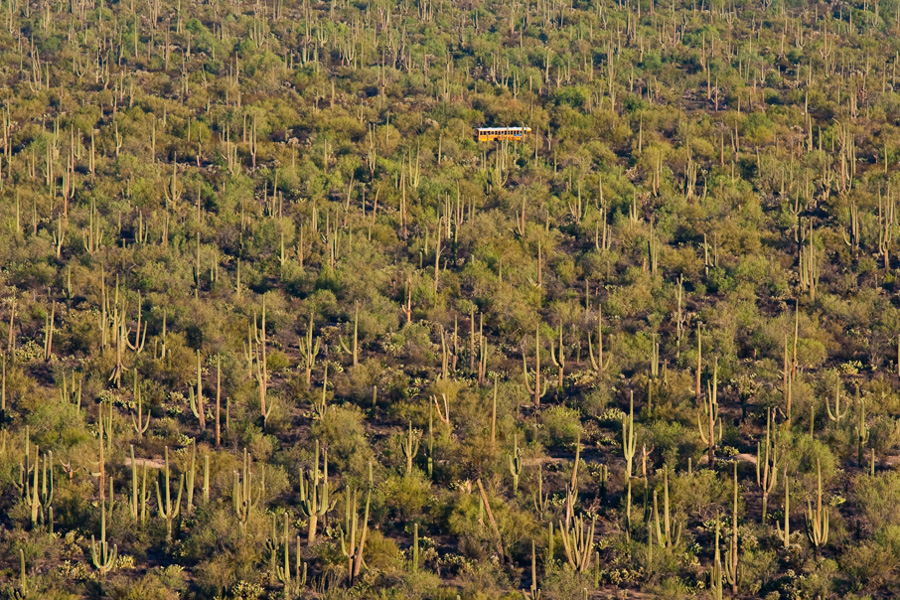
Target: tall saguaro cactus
point(167, 509)
point(817, 519)
point(767, 466)
point(103, 557)
point(242, 498)
point(535, 390)
point(314, 494)
point(629, 441)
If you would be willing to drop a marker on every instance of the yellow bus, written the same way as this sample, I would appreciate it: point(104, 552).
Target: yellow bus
point(510, 134)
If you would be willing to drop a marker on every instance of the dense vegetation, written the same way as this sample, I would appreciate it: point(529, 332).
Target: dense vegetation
point(274, 324)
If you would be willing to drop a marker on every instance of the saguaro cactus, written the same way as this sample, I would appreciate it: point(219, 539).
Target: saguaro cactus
point(535, 390)
point(559, 358)
point(242, 497)
point(708, 424)
point(139, 495)
point(578, 543)
point(141, 423)
point(309, 349)
point(817, 519)
point(353, 534)
point(629, 441)
point(410, 448)
point(515, 464)
point(766, 466)
point(102, 556)
point(168, 510)
point(836, 415)
point(314, 495)
point(668, 534)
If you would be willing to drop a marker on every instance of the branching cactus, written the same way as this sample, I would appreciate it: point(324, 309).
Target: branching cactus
point(559, 358)
point(103, 557)
point(837, 415)
point(196, 400)
point(295, 582)
point(515, 464)
point(767, 466)
point(139, 495)
point(629, 440)
point(785, 532)
point(817, 519)
point(314, 495)
point(242, 497)
point(578, 543)
point(410, 448)
point(716, 575)
point(22, 591)
point(168, 510)
point(309, 349)
point(710, 425)
point(535, 390)
point(141, 423)
point(32, 490)
point(353, 534)
point(354, 349)
point(668, 534)
point(320, 404)
point(46, 491)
